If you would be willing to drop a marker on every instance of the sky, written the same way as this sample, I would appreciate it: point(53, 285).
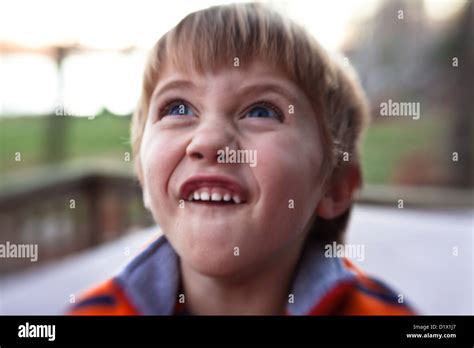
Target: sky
point(106, 78)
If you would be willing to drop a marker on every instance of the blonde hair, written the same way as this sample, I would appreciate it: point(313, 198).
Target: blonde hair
point(210, 39)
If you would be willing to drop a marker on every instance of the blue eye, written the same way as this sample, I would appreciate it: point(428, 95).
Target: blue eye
point(264, 111)
point(178, 109)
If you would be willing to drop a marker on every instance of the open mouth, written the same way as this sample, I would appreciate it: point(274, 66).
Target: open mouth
point(213, 190)
point(217, 196)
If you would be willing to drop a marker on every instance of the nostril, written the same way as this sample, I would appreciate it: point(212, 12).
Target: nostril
point(197, 155)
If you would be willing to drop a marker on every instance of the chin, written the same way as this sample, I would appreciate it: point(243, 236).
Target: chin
point(211, 251)
point(215, 265)
point(213, 259)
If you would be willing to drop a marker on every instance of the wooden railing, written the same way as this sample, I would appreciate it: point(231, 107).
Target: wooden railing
point(63, 211)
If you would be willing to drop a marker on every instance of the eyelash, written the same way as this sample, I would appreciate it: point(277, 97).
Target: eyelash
point(269, 105)
point(163, 111)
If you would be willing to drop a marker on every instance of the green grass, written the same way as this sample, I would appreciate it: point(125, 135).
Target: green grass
point(386, 143)
point(107, 137)
point(104, 135)
point(23, 136)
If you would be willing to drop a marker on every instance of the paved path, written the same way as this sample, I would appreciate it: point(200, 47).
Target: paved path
point(412, 250)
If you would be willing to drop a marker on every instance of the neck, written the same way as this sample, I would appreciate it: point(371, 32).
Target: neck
point(262, 292)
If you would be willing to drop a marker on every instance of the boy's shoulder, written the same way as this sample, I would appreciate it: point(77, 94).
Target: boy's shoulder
point(336, 286)
point(144, 286)
point(370, 296)
point(106, 298)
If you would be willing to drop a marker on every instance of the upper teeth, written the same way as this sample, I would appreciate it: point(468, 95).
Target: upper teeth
point(204, 194)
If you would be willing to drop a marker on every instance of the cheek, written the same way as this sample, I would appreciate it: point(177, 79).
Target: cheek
point(159, 156)
point(288, 161)
point(287, 174)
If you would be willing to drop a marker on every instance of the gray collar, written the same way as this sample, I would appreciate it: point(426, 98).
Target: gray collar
point(316, 276)
point(151, 281)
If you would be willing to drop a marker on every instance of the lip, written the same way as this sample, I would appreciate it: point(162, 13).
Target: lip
point(198, 181)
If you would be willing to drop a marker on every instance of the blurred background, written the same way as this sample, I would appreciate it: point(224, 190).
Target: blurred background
point(70, 77)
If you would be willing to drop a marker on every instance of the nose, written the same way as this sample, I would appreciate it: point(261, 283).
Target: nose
point(209, 138)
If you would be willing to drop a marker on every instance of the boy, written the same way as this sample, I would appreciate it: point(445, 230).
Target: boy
point(241, 236)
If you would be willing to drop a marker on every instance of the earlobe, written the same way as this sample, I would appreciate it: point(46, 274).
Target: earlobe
point(338, 198)
point(330, 208)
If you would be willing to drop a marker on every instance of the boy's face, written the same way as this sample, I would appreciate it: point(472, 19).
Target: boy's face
point(193, 118)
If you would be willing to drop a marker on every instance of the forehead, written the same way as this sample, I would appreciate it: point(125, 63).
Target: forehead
point(256, 74)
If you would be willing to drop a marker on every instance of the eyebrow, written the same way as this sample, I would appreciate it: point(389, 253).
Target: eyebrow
point(242, 91)
point(176, 84)
point(266, 88)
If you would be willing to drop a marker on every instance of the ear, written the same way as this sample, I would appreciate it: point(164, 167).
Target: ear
point(340, 192)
